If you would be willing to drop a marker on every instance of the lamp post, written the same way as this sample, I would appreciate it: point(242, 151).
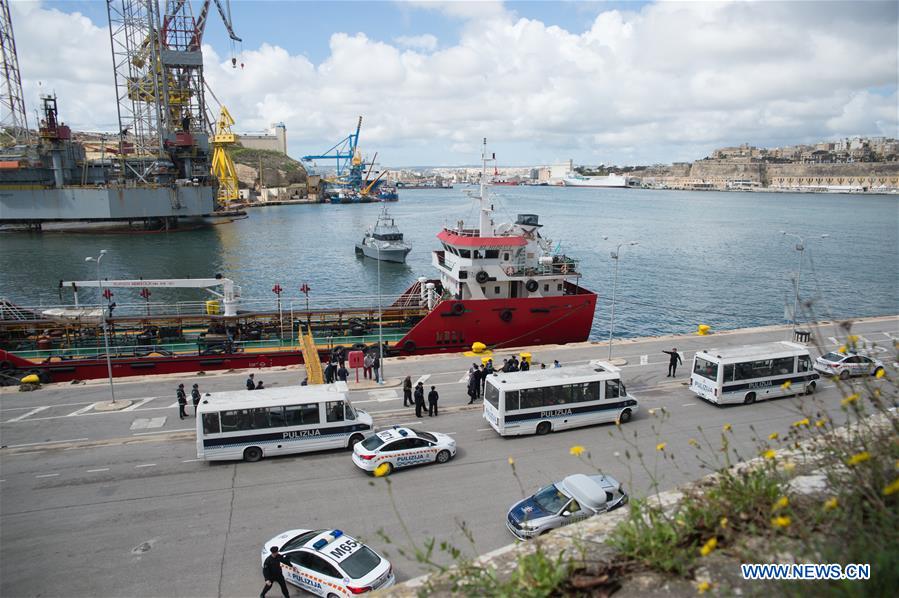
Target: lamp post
point(98, 259)
point(380, 324)
point(614, 255)
point(800, 248)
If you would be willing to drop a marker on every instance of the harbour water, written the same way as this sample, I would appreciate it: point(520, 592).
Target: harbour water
point(703, 257)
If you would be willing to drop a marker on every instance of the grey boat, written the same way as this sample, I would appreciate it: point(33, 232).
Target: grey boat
point(384, 241)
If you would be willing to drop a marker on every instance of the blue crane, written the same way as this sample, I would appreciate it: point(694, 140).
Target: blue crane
point(345, 152)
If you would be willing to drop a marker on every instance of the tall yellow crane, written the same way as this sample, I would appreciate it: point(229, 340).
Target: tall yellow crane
point(222, 164)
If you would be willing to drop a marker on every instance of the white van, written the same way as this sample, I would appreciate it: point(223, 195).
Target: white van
point(752, 372)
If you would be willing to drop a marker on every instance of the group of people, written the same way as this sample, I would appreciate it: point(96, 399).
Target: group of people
point(253, 385)
point(182, 400)
point(416, 397)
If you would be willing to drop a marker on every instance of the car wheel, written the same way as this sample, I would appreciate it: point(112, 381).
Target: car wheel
point(844, 375)
point(443, 456)
point(252, 454)
point(333, 596)
point(625, 416)
point(354, 440)
point(750, 399)
point(544, 428)
point(810, 389)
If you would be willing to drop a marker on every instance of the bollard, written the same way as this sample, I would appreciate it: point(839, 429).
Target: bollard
point(703, 329)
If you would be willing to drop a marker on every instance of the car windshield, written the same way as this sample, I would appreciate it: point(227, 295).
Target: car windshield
point(426, 435)
point(551, 499)
point(833, 357)
point(299, 540)
point(372, 442)
point(360, 563)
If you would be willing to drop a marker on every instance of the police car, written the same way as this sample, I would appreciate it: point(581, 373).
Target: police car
point(848, 364)
point(330, 563)
point(402, 447)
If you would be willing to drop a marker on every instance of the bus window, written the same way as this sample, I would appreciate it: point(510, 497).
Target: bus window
point(614, 389)
point(706, 369)
point(511, 400)
point(805, 363)
point(276, 417)
point(729, 373)
point(237, 419)
point(349, 412)
point(531, 398)
point(211, 423)
point(299, 415)
point(557, 395)
point(491, 395)
point(784, 365)
point(334, 411)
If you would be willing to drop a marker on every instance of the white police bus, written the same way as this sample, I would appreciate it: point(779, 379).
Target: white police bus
point(542, 401)
point(254, 424)
point(752, 372)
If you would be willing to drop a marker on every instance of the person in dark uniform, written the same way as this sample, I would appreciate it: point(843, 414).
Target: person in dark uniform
point(525, 366)
point(432, 402)
point(329, 373)
point(342, 373)
point(260, 386)
point(182, 401)
point(672, 362)
point(474, 383)
point(251, 384)
point(419, 399)
point(271, 570)
point(376, 366)
point(407, 392)
point(482, 375)
point(195, 397)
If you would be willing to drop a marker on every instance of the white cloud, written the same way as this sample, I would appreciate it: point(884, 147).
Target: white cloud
point(425, 42)
point(667, 82)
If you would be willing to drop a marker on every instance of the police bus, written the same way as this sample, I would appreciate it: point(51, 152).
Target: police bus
point(753, 372)
point(543, 401)
point(254, 424)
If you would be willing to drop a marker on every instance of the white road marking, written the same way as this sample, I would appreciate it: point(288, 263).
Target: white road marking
point(164, 431)
point(422, 379)
point(463, 379)
point(483, 429)
point(890, 336)
point(145, 465)
point(173, 405)
point(47, 475)
point(140, 403)
point(418, 421)
point(688, 404)
point(81, 411)
point(144, 423)
point(644, 360)
point(386, 394)
point(98, 470)
point(191, 460)
point(43, 443)
point(24, 415)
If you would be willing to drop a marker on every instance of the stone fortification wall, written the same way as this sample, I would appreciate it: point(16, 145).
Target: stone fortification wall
point(855, 174)
point(724, 170)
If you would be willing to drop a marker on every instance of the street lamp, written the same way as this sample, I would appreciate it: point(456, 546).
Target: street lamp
point(800, 247)
point(614, 255)
point(98, 259)
point(380, 323)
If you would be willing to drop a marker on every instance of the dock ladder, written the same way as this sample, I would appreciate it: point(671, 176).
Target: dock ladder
point(314, 374)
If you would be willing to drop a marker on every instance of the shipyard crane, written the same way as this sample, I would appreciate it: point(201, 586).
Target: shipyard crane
point(222, 164)
point(346, 154)
point(12, 100)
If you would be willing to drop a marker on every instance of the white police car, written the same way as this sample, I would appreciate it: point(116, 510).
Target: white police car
point(848, 364)
point(402, 447)
point(330, 563)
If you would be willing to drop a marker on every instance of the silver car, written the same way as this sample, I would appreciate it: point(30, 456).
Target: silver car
point(575, 498)
point(849, 364)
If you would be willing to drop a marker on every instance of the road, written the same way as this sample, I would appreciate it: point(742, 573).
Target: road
point(116, 503)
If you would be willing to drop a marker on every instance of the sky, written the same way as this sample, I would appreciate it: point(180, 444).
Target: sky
point(597, 82)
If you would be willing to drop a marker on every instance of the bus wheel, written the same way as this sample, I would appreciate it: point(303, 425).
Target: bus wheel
point(354, 440)
point(252, 454)
point(443, 456)
point(625, 416)
point(750, 399)
point(543, 428)
point(810, 389)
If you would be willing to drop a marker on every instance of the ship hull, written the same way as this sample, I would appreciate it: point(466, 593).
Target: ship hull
point(395, 255)
point(612, 181)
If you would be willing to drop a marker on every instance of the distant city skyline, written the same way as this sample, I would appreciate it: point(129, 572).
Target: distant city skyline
point(598, 82)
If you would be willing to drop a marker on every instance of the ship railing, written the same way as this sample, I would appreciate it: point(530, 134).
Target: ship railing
point(560, 266)
point(464, 232)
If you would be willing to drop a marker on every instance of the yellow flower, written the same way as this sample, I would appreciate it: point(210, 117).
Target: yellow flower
point(880, 373)
point(852, 339)
point(786, 385)
point(781, 522)
point(892, 488)
point(788, 466)
point(695, 443)
point(842, 349)
point(769, 454)
point(772, 436)
point(382, 470)
point(703, 586)
point(723, 522)
point(576, 450)
point(781, 503)
point(850, 399)
point(709, 546)
point(831, 504)
point(511, 461)
point(661, 446)
point(727, 427)
point(820, 423)
point(859, 458)
point(801, 422)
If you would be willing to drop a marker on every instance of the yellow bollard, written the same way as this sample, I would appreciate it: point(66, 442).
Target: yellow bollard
point(484, 360)
point(703, 329)
point(30, 379)
point(478, 347)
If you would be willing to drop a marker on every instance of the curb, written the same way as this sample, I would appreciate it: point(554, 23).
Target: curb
point(110, 406)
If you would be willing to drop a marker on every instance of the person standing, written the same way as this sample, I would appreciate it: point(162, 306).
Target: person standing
point(525, 366)
point(342, 373)
point(182, 401)
point(474, 382)
point(419, 399)
point(673, 360)
point(271, 571)
point(195, 397)
point(376, 366)
point(329, 373)
point(482, 375)
point(432, 402)
point(367, 363)
point(251, 384)
point(556, 363)
point(260, 385)
point(407, 392)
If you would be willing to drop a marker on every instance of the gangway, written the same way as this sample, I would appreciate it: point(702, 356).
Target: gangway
point(230, 294)
point(314, 374)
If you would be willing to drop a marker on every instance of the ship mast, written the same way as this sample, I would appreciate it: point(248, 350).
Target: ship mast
point(486, 222)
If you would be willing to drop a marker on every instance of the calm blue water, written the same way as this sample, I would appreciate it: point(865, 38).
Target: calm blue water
point(713, 258)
